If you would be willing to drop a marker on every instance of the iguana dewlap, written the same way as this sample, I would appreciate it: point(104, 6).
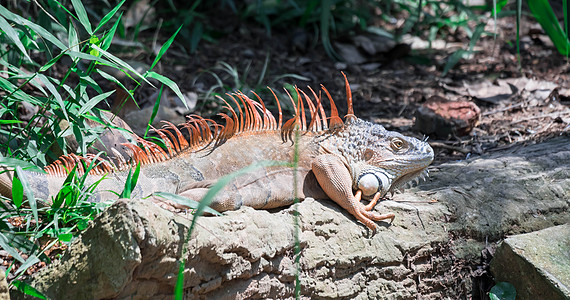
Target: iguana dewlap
point(344, 161)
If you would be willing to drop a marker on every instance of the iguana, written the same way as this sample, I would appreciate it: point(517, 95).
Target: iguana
point(344, 161)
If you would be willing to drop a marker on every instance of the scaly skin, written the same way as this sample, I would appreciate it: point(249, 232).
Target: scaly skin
point(351, 161)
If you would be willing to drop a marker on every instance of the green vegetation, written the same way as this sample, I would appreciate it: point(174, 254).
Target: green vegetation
point(503, 291)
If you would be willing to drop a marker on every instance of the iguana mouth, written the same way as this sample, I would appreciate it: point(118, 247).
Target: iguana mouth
point(407, 178)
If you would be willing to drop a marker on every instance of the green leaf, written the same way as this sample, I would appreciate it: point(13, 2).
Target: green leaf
point(13, 36)
point(179, 288)
point(154, 110)
point(121, 63)
point(10, 122)
point(27, 289)
point(93, 101)
point(17, 192)
point(168, 82)
point(65, 237)
point(32, 260)
point(28, 190)
point(164, 48)
point(13, 162)
point(503, 291)
point(544, 14)
point(5, 245)
point(109, 15)
point(36, 28)
point(55, 93)
point(108, 37)
point(131, 182)
point(82, 15)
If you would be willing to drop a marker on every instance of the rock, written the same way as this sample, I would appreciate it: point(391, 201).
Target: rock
point(4, 291)
point(441, 117)
point(537, 264)
point(132, 249)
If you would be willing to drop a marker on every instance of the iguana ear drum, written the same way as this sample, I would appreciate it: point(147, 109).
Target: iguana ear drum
point(373, 182)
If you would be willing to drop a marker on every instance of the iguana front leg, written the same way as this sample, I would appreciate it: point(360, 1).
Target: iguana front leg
point(334, 178)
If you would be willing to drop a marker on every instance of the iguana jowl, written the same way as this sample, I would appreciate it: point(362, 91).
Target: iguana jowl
point(344, 161)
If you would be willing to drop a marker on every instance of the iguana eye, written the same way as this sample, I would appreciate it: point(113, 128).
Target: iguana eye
point(397, 144)
point(368, 154)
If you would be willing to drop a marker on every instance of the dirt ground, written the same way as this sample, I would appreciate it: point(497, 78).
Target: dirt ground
point(519, 103)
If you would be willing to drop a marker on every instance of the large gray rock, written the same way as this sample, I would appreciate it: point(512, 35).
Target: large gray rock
point(4, 294)
point(537, 264)
point(431, 249)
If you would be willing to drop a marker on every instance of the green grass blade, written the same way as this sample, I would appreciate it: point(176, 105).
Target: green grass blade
point(54, 92)
point(126, 193)
point(32, 260)
point(120, 63)
point(164, 48)
point(82, 15)
point(108, 38)
point(28, 191)
point(36, 28)
point(192, 204)
point(93, 101)
point(5, 245)
point(27, 289)
point(168, 82)
point(73, 38)
point(222, 182)
point(13, 162)
point(179, 288)
point(544, 14)
point(108, 16)
point(154, 111)
point(13, 36)
point(17, 192)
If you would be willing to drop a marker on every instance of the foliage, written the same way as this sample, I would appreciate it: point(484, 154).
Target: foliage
point(542, 11)
point(503, 291)
point(33, 56)
point(228, 78)
point(51, 58)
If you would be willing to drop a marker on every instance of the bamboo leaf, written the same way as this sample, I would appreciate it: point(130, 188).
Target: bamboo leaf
point(82, 15)
point(164, 48)
point(36, 28)
point(13, 35)
point(93, 101)
point(17, 192)
point(28, 191)
point(5, 245)
point(55, 93)
point(108, 37)
point(109, 15)
point(154, 110)
point(168, 82)
point(27, 289)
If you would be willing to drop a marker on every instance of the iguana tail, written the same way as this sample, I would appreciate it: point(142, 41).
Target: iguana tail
point(6, 175)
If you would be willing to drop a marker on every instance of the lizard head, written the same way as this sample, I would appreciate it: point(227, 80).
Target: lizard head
point(381, 160)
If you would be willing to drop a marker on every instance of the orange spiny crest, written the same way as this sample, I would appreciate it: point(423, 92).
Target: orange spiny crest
point(278, 107)
point(315, 121)
point(268, 119)
point(350, 113)
point(320, 108)
point(179, 137)
point(65, 163)
point(335, 121)
point(248, 115)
